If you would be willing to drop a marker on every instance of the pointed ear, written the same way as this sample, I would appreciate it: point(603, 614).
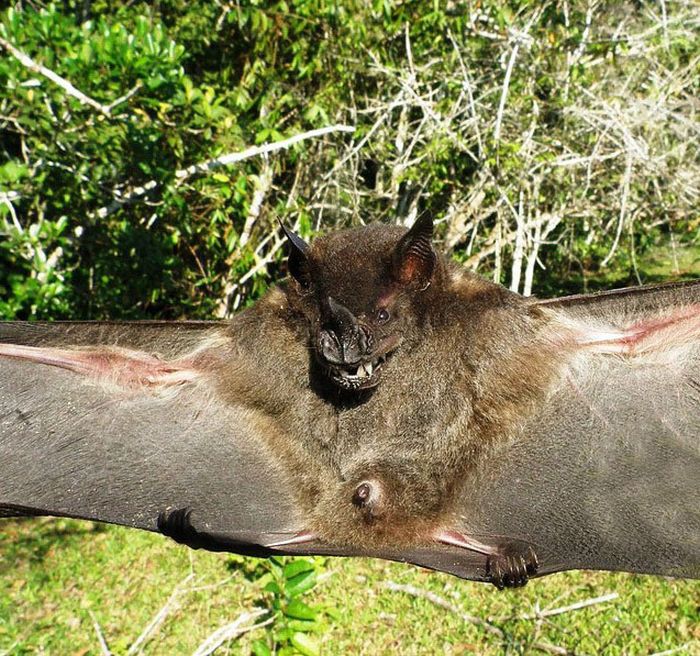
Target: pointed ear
point(297, 258)
point(414, 257)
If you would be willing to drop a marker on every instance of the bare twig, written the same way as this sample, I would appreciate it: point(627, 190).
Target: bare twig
point(519, 250)
point(467, 83)
point(678, 650)
point(8, 651)
point(211, 164)
point(100, 637)
point(544, 225)
point(232, 158)
point(9, 196)
point(131, 196)
point(520, 37)
point(263, 182)
point(66, 85)
point(436, 599)
point(231, 631)
point(263, 262)
point(623, 209)
point(565, 609)
point(504, 92)
point(360, 144)
point(126, 97)
point(470, 619)
point(160, 616)
point(6, 199)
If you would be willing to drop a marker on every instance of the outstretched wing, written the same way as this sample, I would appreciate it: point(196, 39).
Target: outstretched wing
point(118, 435)
point(606, 473)
point(603, 475)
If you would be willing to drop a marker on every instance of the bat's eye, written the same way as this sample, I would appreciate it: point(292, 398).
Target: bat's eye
point(383, 315)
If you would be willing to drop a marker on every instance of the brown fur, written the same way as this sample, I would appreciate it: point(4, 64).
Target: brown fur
point(473, 359)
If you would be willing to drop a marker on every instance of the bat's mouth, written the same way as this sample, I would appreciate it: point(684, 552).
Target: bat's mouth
point(362, 375)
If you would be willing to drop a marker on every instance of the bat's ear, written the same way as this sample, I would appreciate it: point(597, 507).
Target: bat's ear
point(414, 257)
point(298, 260)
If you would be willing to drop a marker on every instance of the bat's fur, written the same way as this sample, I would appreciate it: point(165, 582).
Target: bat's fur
point(472, 359)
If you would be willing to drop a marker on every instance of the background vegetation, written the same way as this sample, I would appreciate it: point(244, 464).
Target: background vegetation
point(555, 143)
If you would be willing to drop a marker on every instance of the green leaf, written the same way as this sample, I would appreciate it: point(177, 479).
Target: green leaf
point(306, 644)
point(297, 566)
point(301, 583)
point(272, 587)
point(299, 610)
point(12, 171)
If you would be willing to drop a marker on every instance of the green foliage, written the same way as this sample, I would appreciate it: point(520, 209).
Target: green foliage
point(73, 157)
point(297, 622)
point(488, 115)
point(59, 576)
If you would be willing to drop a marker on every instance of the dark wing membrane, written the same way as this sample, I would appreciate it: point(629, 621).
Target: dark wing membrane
point(74, 447)
point(606, 474)
point(178, 461)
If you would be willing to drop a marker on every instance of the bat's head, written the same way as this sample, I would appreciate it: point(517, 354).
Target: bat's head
point(363, 293)
point(378, 504)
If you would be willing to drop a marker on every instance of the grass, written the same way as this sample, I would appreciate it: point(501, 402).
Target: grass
point(56, 575)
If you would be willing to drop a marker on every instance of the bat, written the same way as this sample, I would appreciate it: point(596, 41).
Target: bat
point(381, 401)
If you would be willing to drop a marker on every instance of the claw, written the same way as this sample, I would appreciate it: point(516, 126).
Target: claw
point(176, 524)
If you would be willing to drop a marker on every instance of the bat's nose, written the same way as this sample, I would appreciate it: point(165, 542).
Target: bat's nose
point(348, 348)
point(330, 347)
point(343, 340)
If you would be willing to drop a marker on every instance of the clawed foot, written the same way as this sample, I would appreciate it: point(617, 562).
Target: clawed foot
point(513, 566)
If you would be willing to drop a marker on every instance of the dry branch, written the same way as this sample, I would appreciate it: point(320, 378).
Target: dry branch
point(217, 162)
point(231, 631)
point(551, 612)
point(232, 158)
point(170, 605)
point(100, 636)
point(487, 626)
point(681, 649)
point(66, 85)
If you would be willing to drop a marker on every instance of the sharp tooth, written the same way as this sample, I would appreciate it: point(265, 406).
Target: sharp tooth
point(361, 372)
point(368, 368)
